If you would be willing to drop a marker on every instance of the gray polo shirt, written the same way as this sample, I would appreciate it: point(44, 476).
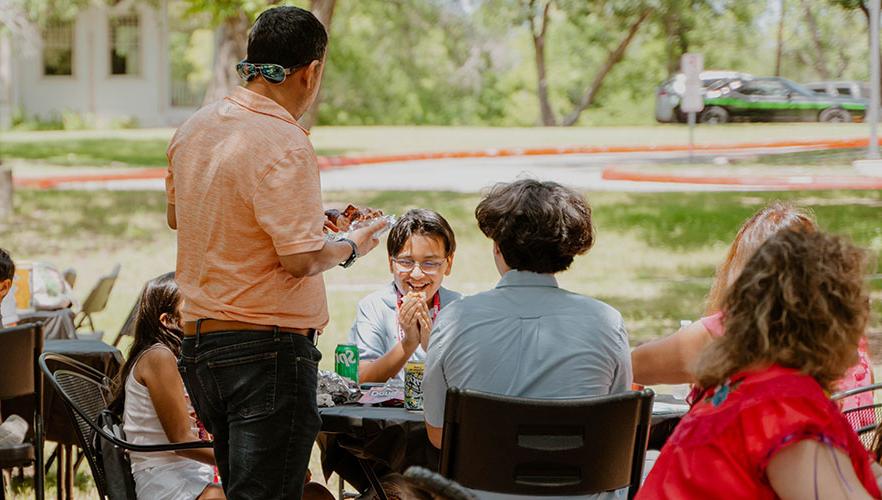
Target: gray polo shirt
point(375, 331)
point(527, 337)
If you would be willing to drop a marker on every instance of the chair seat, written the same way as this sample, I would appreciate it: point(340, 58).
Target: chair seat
point(16, 455)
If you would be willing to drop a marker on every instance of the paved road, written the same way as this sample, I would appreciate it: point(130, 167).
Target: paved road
point(475, 174)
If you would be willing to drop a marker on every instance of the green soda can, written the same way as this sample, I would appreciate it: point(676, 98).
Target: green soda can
point(346, 361)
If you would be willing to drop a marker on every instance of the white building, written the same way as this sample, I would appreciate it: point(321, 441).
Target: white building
point(110, 64)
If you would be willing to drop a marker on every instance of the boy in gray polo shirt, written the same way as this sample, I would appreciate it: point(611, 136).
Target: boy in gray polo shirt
point(392, 325)
point(527, 337)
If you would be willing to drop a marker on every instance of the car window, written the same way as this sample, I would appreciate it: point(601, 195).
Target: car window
point(765, 88)
point(843, 91)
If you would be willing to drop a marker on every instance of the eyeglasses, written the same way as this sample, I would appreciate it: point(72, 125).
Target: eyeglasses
point(429, 267)
point(273, 73)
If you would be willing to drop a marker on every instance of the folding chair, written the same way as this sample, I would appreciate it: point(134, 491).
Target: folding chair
point(20, 347)
point(539, 447)
point(95, 303)
point(86, 393)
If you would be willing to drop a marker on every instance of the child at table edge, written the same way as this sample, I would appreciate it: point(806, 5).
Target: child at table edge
point(392, 325)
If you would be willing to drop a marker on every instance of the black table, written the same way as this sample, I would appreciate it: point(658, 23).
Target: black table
point(356, 438)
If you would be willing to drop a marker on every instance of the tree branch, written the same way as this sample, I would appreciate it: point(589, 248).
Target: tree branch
point(611, 60)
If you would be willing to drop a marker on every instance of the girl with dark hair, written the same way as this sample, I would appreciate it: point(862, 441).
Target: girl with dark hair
point(155, 407)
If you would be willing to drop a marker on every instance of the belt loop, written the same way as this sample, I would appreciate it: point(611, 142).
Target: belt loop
point(276, 333)
point(198, 328)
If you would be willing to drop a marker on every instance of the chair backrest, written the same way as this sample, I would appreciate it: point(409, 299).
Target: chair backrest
point(85, 392)
point(19, 348)
point(96, 301)
point(540, 447)
point(865, 420)
point(128, 328)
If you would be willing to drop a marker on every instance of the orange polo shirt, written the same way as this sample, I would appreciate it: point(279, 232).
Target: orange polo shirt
point(244, 181)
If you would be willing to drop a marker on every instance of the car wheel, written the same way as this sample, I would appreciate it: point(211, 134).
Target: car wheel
point(714, 115)
point(835, 115)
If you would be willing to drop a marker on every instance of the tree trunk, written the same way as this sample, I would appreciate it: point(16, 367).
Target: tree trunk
point(5, 194)
point(230, 47)
point(611, 60)
point(324, 12)
point(780, 48)
point(547, 113)
point(820, 62)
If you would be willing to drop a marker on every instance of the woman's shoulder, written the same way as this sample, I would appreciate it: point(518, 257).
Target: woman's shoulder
point(154, 359)
point(766, 405)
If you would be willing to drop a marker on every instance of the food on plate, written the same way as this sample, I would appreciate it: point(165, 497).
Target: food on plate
point(341, 221)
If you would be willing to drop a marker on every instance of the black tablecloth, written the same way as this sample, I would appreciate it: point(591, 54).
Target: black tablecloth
point(393, 439)
point(98, 355)
point(104, 358)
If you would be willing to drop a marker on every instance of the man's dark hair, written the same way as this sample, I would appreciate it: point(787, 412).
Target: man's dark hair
point(424, 222)
point(538, 226)
point(288, 36)
point(7, 267)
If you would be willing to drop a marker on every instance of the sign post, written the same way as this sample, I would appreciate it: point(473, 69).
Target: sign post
point(692, 102)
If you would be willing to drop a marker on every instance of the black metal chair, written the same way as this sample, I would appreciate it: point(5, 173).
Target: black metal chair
point(866, 418)
point(438, 485)
point(20, 347)
point(86, 393)
point(541, 447)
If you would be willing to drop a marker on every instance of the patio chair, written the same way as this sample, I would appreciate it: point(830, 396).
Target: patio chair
point(536, 447)
point(19, 348)
point(95, 302)
point(86, 393)
point(863, 419)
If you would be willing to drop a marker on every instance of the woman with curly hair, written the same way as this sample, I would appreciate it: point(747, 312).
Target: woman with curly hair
point(671, 360)
point(764, 426)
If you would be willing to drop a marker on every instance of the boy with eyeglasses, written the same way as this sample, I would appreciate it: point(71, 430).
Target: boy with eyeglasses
point(392, 325)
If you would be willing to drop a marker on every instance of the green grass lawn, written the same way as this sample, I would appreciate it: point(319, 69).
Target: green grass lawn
point(146, 148)
point(653, 260)
point(654, 257)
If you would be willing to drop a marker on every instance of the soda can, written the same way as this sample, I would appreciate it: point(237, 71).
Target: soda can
point(346, 361)
point(413, 385)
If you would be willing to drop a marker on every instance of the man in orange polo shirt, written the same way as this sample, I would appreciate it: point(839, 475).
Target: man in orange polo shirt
point(244, 195)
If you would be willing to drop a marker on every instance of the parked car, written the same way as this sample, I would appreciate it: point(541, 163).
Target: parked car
point(776, 99)
point(669, 93)
point(844, 88)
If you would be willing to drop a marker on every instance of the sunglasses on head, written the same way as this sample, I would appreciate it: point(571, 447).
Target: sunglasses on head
point(273, 73)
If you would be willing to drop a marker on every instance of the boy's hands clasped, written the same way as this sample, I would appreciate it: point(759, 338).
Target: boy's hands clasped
point(415, 321)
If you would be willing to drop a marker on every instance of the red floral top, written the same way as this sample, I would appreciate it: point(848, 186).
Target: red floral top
point(859, 375)
point(723, 445)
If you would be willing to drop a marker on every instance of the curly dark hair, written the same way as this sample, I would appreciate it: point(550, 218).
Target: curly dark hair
point(538, 226)
point(800, 302)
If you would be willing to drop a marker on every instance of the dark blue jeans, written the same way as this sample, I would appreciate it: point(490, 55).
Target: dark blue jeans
point(256, 393)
